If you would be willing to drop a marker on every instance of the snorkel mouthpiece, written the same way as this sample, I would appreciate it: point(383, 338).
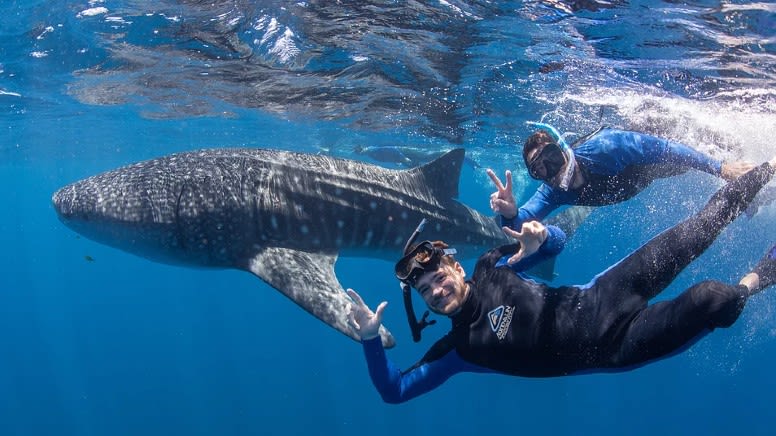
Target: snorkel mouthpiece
point(571, 164)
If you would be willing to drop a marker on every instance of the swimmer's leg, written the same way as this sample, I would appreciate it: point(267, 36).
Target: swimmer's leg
point(669, 327)
point(763, 275)
point(648, 270)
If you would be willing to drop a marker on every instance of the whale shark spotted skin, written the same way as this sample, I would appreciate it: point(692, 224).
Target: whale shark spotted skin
point(283, 216)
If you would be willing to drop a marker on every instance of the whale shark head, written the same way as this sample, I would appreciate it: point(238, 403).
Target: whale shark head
point(95, 210)
point(126, 209)
point(70, 208)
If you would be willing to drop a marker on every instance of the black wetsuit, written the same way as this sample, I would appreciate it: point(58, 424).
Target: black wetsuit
point(516, 326)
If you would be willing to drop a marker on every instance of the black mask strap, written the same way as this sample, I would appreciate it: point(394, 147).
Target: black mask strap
point(415, 325)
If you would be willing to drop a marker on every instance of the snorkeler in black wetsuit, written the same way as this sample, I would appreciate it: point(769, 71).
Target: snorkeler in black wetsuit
point(503, 323)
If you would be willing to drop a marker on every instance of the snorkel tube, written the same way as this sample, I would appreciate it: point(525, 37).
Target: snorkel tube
point(571, 162)
point(415, 326)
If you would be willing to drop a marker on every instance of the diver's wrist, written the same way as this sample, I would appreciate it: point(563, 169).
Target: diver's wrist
point(370, 336)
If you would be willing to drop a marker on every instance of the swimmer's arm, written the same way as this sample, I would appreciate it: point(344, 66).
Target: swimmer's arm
point(396, 387)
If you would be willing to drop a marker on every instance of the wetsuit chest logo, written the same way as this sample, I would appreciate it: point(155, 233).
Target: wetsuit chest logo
point(500, 318)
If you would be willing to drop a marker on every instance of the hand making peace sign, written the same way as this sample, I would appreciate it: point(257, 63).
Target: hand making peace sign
point(502, 201)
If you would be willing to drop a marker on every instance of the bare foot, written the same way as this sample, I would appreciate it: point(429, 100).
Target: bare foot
point(751, 281)
point(763, 275)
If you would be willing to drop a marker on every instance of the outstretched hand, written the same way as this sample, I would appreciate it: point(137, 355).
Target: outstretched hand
point(364, 322)
point(503, 200)
point(531, 236)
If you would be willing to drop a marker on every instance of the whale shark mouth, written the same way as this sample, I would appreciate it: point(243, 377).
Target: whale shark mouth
point(63, 201)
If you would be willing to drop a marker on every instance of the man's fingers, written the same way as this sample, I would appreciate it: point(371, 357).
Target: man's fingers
point(356, 298)
point(511, 233)
point(509, 181)
point(497, 204)
point(379, 310)
point(352, 320)
point(495, 179)
point(517, 256)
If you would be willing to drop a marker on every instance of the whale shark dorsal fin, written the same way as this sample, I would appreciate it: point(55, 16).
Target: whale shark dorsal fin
point(442, 173)
point(308, 279)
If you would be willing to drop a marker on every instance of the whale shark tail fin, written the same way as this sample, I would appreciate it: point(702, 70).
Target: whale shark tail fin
point(442, 173)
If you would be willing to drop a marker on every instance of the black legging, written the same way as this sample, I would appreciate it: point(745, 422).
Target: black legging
point(633, 332)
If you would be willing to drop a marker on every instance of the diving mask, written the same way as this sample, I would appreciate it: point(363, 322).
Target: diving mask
point(550, 160)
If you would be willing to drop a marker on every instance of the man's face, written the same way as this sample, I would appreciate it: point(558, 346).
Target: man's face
point(547, 164)
point(443, 289)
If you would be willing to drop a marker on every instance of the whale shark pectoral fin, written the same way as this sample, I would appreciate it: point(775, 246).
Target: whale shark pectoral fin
point(309, 280)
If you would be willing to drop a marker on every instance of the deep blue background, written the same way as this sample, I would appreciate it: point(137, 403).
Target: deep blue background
point(95, 341)
point(121, 345)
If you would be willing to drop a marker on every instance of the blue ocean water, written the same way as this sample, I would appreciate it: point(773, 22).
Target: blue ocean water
point(97, 341)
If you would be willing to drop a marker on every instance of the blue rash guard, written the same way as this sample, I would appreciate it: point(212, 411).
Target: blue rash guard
point(510, 325)
point(617, 165)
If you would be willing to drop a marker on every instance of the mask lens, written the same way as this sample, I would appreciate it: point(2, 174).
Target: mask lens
point(547, 163)
point(536, 169)
point(414, 263)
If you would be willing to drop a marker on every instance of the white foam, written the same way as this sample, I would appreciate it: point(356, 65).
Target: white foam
point(737, 124)
point(285, 48)
point(92, 12)
point(48, 29)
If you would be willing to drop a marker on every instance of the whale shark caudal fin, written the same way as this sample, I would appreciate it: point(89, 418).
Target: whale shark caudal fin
point(308, 279)
point(442, 174)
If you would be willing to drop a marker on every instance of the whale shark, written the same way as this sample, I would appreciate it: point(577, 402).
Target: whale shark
point(283, 216)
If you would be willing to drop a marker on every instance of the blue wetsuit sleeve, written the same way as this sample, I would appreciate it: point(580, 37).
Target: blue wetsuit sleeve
point(538, 206)
point(555, 242)
point(687, 156)
point(610, 151)
point(542, 203)
point(395, 387)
